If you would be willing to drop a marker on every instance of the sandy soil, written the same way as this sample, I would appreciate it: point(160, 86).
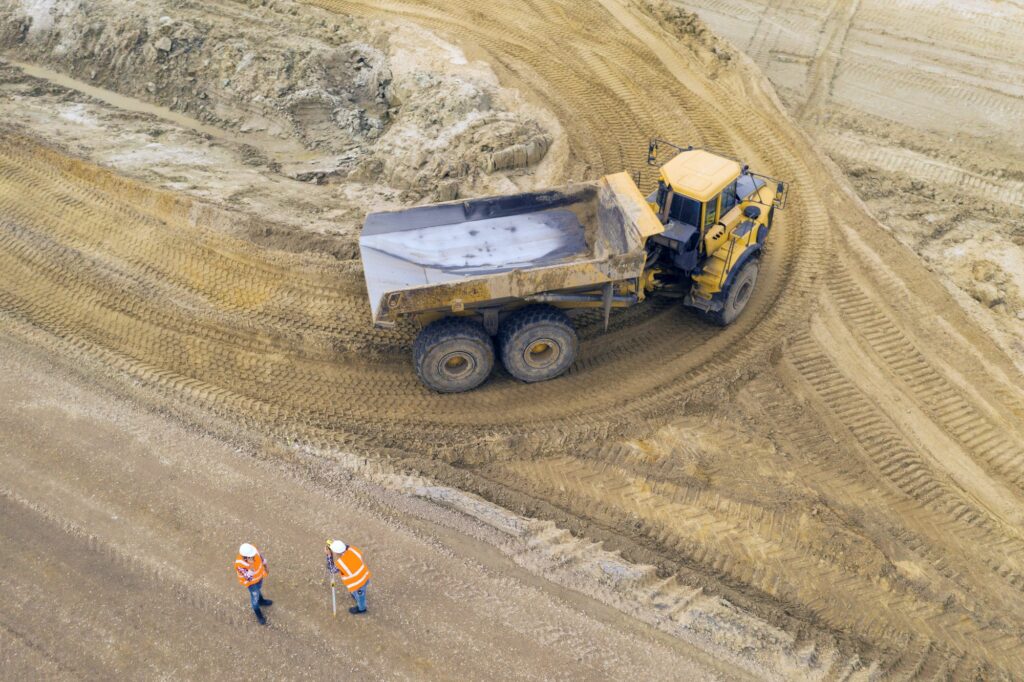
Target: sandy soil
point(920, 102)
point(841, 466)
point(128, 545)
point(372, 113)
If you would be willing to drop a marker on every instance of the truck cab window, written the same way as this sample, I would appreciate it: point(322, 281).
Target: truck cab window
point(711, 215)
point(747, 185)
point(685, 210)
point(729, 199)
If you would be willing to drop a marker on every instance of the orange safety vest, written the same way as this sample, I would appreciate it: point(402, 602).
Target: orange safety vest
point(250, 571)
point(354, 573)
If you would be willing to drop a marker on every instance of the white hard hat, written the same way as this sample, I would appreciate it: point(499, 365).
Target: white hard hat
point(338, 546)
point(247, 550)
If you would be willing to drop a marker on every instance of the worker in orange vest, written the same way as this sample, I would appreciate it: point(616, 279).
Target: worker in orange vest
point(251, 570)
point(347, 561)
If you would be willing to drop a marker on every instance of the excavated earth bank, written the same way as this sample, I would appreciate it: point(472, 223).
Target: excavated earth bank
point(387, 114)
point(844, 462)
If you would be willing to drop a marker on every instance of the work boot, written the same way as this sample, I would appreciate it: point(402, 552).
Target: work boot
point(265, 602)
point(260, 617)
point(354, 610)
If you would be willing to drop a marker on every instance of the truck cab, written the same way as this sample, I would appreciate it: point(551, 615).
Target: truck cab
point(716, 216)
point(698, 201)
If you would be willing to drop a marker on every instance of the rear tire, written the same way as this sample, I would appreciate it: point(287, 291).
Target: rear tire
point(738, 295)
point(537, 343)
point(453, 354)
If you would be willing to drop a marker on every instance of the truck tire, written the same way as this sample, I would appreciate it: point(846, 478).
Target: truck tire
point(537, 343)
point(453, 354)
point(738, 295)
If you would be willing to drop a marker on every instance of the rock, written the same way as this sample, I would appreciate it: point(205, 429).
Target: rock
point(984, 271)
point(518, 155)
point(447, 191)
point(164, 44)
point(536, 149)
point(151, 87)
point(986, 293)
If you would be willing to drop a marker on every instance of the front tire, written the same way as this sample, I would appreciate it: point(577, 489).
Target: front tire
point(537, 343)
point(453, 354)
point(738, 295)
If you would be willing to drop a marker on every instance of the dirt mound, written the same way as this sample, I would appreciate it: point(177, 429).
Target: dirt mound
point(693, 33)
point(355, 99)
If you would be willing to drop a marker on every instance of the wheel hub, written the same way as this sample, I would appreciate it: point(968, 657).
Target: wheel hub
point(542, 353)
point(456, 365)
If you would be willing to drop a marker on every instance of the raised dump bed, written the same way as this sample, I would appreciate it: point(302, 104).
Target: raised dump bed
point(494, 253)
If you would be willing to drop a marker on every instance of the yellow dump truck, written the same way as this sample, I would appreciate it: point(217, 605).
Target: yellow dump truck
point(501, 276)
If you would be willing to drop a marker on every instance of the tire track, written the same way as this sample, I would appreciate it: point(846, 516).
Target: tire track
point(829, 54)
point(192, 338)
point(747, 545)
point(913, 522)
point(154, 573)
point(934, 171)
point(873, 79)
point(611, 357)
point(980, 436)
point(984, 36)
point(129, 279)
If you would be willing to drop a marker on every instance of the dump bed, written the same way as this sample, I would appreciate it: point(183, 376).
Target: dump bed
point(483, 252)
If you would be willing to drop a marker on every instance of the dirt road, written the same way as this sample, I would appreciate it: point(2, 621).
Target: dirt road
point(126, 526)
point(920, 103)
point(845, 461)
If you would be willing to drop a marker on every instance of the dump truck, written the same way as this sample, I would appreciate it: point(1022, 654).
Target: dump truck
point(503, 276)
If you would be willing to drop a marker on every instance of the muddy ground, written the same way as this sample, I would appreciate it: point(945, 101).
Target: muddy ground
point(830, 488)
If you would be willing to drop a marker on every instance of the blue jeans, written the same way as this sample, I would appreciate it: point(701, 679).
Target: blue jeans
point(255, 596)
point(360, 596)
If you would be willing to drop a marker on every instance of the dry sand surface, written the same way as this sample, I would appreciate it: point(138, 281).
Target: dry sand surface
point(921, 103)
point(831, 488)
point(122, 564)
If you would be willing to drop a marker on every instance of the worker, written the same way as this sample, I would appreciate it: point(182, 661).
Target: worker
point(252, 569)
point(348, 562)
